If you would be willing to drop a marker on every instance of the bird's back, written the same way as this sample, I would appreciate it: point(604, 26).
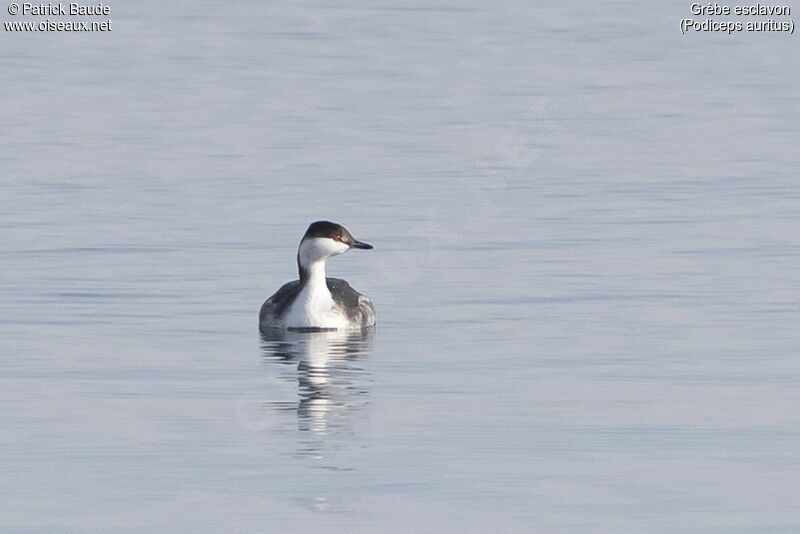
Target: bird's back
point(358, 309)
point(274, 307)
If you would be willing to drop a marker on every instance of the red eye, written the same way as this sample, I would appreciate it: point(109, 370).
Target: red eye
point(337, 238)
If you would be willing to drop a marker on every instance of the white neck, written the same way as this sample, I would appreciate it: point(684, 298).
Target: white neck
point(316, 278)
point(314, 305)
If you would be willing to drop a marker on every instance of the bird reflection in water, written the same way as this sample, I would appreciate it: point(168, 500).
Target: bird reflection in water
point(330, 379)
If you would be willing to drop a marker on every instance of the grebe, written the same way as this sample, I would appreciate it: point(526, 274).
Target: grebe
point(315, 302)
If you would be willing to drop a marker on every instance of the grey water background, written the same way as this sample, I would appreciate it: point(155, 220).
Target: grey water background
point(585, 271)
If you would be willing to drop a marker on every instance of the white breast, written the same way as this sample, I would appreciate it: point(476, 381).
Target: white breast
point(314, 307)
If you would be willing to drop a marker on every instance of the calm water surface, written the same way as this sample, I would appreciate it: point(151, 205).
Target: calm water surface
point(587, 239)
